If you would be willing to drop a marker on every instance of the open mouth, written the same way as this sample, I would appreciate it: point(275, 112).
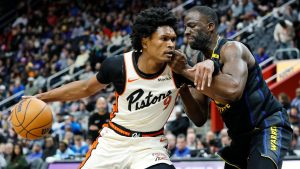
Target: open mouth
point(169, 54)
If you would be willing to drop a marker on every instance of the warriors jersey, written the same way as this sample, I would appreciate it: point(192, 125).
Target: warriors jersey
point(257, 108)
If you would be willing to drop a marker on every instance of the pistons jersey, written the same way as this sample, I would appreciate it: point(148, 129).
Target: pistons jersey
point(143, 102)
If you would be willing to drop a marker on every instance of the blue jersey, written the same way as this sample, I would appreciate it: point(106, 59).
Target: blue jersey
point(257, 109)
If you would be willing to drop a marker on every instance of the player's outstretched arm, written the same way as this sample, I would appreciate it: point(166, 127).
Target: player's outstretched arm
point(195, 104)
point(72, 91)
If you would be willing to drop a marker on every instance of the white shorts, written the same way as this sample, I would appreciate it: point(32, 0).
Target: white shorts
point(114, 151)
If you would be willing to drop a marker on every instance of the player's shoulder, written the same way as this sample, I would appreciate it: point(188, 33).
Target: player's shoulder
point(231, 44)
point(233, 48)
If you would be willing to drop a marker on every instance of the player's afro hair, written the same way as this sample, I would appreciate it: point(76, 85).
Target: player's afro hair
point(148, 21)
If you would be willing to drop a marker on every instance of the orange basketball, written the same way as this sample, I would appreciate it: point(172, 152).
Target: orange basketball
point(31, 118)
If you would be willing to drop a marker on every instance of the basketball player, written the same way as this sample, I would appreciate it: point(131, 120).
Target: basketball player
point(146, 90)
point(258, 124)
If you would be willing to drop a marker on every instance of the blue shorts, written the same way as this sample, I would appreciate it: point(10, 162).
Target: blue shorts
point(271, 143)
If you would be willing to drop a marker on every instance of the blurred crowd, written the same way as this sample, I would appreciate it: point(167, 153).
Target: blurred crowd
point(53, 35)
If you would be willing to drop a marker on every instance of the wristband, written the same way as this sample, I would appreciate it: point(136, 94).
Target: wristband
point(216, 67)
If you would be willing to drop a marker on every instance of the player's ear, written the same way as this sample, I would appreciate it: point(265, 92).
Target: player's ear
point(145, 42)
point(211, 27)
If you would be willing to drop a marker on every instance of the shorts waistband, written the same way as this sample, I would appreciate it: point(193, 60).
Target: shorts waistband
point(129, 133)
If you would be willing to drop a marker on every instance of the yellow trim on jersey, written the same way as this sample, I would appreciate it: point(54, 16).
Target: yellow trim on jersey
point(215, 56)
point(228, 162)
point(270, 159)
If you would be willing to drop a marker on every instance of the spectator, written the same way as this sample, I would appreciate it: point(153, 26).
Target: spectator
point(294, 116)
point(296, 101)
point(64, 152)
point(71, 124)
point(191, 138)
point(50, 149)
point(182, 150)
point(35, 157)
point(68, 138)
point(31, 88)
point(12, 136)
point(201, 147)
point(261, 55)
point(18, 87)
point(223, 25)
point(8, 151)
point(22, 20)
point(36, 152)
point(80, 148)
point(210, 136)
point(82, 116)
point(100, 117)
point(2, 92)
point(284, 99)
point(87, 73)
point(284, 34)
point(236, 8)
point(171, 143)
point(179, 125)
point(2, 159)
point(40, 81)
point(18, 160)
point(82, 58)
point(293, 145)
point(225, 139)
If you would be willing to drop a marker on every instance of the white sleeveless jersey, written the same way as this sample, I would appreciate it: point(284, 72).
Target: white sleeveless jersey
point(145, 104)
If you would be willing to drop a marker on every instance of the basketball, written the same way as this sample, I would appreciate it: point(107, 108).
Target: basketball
point(31, 118)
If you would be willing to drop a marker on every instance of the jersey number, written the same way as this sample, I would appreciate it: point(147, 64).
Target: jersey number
point(167, 101)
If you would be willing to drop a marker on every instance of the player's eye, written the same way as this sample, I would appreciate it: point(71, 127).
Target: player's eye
point(165, 38)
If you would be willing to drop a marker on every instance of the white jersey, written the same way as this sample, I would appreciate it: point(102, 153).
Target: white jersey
point(145, 104)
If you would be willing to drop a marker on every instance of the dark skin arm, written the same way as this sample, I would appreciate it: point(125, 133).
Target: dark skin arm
point(71, 91)
point(195, 104)
point(229, 84)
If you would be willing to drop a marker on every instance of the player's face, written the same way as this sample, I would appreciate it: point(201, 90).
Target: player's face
point(161, 44)
point(197, 30)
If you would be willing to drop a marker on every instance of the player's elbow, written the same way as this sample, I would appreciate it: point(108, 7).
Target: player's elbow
point(235, 93)
point(199, 123)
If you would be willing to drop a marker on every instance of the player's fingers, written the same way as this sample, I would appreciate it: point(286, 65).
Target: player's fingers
point(209, 78)
point(199, 79)
point(203, 82)
point(201, 74)
point(179, 53)
point(191, 69)
point(28, 97)
point(196, 77)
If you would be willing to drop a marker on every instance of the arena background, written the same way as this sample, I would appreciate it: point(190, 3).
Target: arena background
point(47, 43)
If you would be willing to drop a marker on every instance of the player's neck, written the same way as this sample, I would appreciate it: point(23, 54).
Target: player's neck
point(211, 48)
point(148, 65)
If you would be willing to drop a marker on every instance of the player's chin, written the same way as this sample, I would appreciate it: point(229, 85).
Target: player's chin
point(168, 57)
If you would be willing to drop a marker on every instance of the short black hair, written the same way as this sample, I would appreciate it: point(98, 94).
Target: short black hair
point(148, 21)
point(207, 11)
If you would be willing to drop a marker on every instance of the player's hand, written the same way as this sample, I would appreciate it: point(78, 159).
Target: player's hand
point(28, 97)
point(179, 62)
point(93, 127)
point(37, 96)
point(203, 73)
